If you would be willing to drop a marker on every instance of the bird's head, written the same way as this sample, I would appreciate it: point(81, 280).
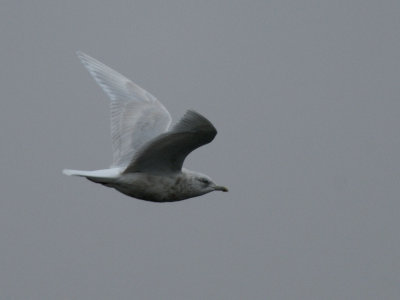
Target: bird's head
point(204, 184)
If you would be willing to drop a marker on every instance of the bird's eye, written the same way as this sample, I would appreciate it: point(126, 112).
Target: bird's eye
point(205, 181)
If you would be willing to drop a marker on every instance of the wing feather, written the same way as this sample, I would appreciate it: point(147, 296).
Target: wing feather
point(167, 152)
point(136, 116)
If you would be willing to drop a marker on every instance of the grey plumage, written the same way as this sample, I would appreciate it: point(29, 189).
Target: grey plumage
point(166, 153)
point(148, 159)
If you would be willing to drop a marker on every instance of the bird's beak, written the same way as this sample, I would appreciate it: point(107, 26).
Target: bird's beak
point(220, 188)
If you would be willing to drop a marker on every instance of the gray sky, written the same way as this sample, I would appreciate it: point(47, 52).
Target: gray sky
point(305, 96)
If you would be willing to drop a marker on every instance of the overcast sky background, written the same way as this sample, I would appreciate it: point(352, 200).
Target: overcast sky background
point(305, 97)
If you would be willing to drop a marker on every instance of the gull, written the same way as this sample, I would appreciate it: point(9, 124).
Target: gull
point(147, 154)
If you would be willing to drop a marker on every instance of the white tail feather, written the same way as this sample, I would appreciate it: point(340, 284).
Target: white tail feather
point(106, 173)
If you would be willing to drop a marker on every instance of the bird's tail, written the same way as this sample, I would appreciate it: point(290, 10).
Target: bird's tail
point(69, 172)
point(99, 176)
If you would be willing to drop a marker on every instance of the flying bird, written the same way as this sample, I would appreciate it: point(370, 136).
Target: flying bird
point(147, 154)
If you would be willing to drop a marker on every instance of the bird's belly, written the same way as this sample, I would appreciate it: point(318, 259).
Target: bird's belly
point(152, 188)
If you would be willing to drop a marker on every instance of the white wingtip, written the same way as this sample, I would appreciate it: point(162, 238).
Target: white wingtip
point(86, 59)
point(80, 53)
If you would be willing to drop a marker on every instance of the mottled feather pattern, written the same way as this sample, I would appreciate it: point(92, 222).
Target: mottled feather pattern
point(148, 159)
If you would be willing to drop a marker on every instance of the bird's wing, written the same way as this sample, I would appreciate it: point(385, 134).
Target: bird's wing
point(166, 153)
point(136, 116)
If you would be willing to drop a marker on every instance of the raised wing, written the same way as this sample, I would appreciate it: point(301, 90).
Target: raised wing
point(136, 116)
point(166, 153)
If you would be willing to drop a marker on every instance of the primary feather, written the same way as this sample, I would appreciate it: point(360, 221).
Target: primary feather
point(136, 115)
